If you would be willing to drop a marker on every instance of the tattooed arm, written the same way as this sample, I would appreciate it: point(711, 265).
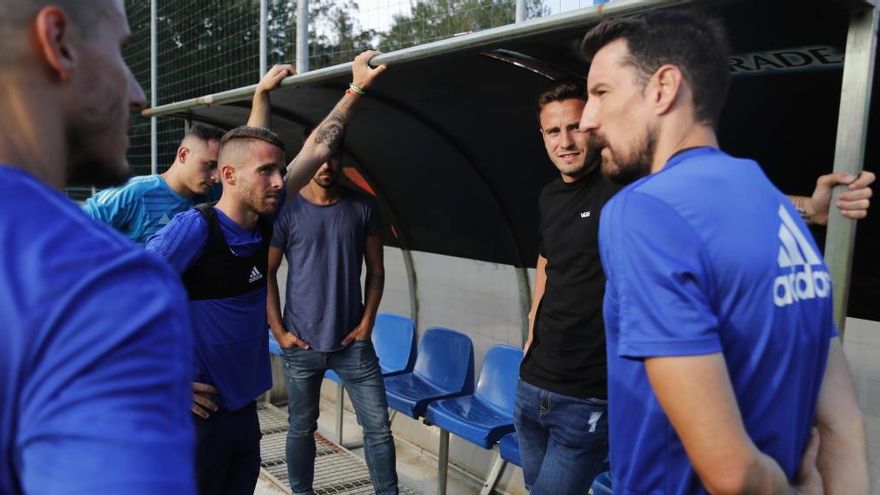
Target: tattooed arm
point(327, 136)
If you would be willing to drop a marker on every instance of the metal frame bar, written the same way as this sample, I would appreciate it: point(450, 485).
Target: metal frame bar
point(442, 462)
point(154, 62)
point(494, 475)
point(480, 40)
point(302, 37)
point(264, 36)
point(849, 150)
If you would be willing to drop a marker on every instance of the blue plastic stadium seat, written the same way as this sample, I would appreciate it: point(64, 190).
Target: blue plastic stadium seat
point(274, 348)
point(509, 447)
point(487, 415)
point(394, 338)
point(444, 368)
point(602, 484)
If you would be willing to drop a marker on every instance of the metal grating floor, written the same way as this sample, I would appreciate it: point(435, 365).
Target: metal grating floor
point(337, 471)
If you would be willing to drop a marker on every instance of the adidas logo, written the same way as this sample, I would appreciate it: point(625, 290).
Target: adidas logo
point(164, 219)
point(255, 275)
point(807, 278)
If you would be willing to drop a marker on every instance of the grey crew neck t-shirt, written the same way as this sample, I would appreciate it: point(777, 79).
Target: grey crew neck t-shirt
point(324, 247)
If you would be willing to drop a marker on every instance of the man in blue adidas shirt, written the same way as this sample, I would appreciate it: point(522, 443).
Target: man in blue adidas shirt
point(722, 353)
point(146, 203)
point(94, 333)
point(222, 255)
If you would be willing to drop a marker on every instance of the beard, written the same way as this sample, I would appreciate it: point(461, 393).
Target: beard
point(96, 173)
point(623, 169)
point(327, 183)
point(257, 202)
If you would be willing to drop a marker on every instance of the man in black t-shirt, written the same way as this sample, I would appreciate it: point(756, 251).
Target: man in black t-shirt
point(561, 408)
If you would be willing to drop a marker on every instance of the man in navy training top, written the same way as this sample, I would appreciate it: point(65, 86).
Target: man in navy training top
point(146, 203)
point(222, 253)
point(327, 231)
point(94, 333)
point(722, 352)
point(561, 409)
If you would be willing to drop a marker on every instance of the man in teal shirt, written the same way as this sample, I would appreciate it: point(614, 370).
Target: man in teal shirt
point(146, 203)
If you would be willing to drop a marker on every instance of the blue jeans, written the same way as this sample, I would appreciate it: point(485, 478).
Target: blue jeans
point(563, 440)
point(358, 367)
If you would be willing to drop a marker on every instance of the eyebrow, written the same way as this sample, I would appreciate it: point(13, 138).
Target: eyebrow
point(595, 87)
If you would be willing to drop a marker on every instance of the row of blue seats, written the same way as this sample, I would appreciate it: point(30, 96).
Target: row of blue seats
point(436, 382)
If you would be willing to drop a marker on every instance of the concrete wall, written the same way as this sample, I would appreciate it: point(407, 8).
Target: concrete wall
point(862, 348)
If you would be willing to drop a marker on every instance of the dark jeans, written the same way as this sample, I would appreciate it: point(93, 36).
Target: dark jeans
point(228, 452)
point(358, 367)
point(563, 440)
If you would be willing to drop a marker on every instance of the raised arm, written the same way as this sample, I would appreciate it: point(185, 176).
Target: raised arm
point(261, 112)
point(327, 136)
point(843, 459)
point(853, 203)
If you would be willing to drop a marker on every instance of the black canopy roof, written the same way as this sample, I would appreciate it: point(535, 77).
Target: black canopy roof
point(450, 142)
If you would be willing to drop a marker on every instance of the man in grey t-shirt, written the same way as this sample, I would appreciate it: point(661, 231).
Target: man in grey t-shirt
point(327, 231)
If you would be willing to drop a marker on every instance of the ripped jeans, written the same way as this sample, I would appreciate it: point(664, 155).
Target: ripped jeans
point(358, 367)
point(563, 440)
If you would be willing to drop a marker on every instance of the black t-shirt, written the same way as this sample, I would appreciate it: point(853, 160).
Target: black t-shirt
point(567, 355)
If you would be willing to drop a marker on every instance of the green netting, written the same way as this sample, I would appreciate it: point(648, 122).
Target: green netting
point(207, 46)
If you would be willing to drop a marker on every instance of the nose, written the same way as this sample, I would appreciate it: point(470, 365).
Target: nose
point(589, 120)
point(565, 138)
point(277, 181)
point(137, 98)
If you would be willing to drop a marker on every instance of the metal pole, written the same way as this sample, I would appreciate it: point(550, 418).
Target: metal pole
point(154, 141)
point(521, 11)
point(442, 462)
point(302, 36)
point(525, 301)
point(412, 283)
point(264, 36)
point(849, 151)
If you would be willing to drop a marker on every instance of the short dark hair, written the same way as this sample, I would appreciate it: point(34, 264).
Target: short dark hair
point(205, 132)
point(245, 132)
point(570, 88)
point(685, 38)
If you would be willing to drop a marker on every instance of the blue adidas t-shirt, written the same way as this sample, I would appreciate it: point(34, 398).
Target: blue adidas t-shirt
point(707, 257)
point(138, 209)
point(231, 342)
point(324, 246)
point(94, 341)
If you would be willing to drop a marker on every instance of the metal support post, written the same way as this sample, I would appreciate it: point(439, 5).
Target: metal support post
point(849, 151)
point(302, 36)
point(492, 480)
point(412, 283)
point(340, 410)
point(525, 300)
point(264, 36)
point(154, 101)
point(442, 462)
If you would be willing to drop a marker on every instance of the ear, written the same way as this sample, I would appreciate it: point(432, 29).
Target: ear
point(182, 153)
point(666, 84)
point(227, 173)
point(53, 32)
